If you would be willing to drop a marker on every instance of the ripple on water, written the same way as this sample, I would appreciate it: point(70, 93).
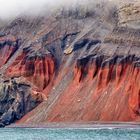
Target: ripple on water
point(68, 134)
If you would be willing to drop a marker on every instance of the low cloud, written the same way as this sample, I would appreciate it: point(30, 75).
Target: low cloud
point(14, 8)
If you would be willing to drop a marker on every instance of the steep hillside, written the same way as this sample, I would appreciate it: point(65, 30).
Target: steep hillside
point(80, 65)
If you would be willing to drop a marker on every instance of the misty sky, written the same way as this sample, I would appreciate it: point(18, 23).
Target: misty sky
point(10, 8)
point(15, 7)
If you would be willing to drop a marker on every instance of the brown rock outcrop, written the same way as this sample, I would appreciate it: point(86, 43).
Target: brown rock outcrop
point(129, 15)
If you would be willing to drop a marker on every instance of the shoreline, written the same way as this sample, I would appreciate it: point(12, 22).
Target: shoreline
point(91, 125)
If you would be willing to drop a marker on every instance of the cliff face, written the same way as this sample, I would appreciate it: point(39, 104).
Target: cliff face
point(102, 90)
point(76, 68)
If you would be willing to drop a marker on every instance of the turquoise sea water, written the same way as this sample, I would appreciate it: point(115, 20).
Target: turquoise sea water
point(68, 134)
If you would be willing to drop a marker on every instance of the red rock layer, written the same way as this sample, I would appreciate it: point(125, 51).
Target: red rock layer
point(38, 69)
point(101, 91)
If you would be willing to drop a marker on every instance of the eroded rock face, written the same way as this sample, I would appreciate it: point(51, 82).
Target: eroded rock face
point(37, 67)
point(16, 99)
point(118, 72)
point(103, 89)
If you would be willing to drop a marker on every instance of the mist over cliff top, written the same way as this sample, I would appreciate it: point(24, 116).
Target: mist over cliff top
point(14, 8)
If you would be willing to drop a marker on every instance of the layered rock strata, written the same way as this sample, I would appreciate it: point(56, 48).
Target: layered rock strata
point(36, 67)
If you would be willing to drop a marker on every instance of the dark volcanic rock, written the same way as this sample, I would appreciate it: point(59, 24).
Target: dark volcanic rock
point(16, 100)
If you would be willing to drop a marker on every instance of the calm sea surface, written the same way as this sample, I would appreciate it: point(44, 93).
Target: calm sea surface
point(68, 134)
